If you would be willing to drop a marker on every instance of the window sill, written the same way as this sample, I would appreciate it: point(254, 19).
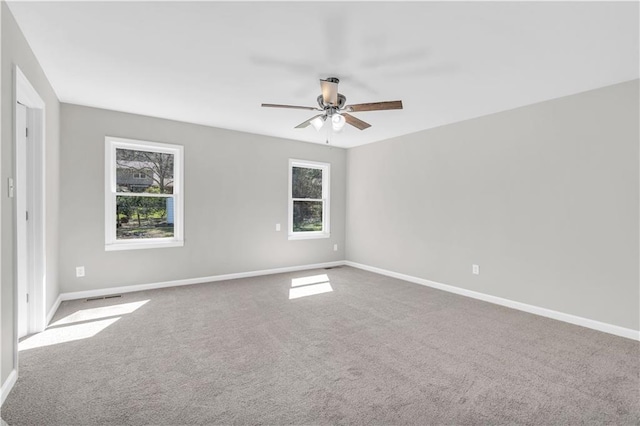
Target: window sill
point(309, 236)
point(137, 245)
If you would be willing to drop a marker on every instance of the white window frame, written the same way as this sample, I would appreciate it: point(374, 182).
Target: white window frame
point(326, 172)
point(111, 242)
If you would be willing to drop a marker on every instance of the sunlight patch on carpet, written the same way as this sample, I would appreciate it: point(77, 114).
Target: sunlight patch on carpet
point(82, 324)
point(313, 279)
point(101, 312)
point(309, 286)
point(70, 333)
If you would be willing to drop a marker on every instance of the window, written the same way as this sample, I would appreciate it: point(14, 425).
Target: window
point(308, 199)
point(143, 194)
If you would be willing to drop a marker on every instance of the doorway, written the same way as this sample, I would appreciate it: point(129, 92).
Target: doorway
point(27, 189)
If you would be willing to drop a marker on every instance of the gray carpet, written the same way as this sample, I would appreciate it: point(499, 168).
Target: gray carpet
point(374, 351)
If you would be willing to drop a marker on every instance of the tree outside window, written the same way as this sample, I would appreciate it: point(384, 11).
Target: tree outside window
point(308, 199)
point(142, 198)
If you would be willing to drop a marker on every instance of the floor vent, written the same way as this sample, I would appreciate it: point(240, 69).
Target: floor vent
point(103, 297)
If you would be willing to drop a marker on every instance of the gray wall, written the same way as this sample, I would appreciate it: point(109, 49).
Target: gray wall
point(544, 198)
point(16, 51)
point(235, 192)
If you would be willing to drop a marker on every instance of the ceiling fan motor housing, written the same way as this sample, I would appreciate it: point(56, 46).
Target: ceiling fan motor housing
point(329, 108)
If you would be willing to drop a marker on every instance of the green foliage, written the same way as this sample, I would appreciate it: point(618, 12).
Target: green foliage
point(307, 216)
point(306, 183)
point(142, 217)
point(142, 206)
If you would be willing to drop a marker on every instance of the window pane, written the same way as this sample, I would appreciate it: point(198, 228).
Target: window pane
point(306, 183)
point(307, 216)
point(144, 217)
point(144, 171)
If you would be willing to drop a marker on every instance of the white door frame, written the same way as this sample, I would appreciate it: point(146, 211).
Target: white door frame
point(28, 96)
point(21, 195)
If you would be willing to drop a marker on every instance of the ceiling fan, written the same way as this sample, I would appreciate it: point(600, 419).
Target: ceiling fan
point(333, 108)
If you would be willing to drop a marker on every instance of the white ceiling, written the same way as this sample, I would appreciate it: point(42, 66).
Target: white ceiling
point(214, 63)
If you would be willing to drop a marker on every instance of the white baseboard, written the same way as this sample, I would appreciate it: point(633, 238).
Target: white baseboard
point(189, 281)
point(537, 310)
point(532, 309)
point(8, 385)
point(53, 310)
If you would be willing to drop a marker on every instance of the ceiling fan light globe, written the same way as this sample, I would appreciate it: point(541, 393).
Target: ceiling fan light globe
point(317, 123)
point(338, 122)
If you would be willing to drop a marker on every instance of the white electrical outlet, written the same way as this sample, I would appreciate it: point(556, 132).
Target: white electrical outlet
point(277, 226)
point(79, 271)
point(475, 269)
point(335, 247)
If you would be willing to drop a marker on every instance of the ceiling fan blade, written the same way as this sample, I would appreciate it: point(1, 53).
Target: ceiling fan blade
point(329, 91)
point(291, 107)
point(308, 122)
point(355, 122)
point(374, 106)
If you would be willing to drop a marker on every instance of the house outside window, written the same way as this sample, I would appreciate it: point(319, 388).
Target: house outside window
point(143, 198)
point(308, 199)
